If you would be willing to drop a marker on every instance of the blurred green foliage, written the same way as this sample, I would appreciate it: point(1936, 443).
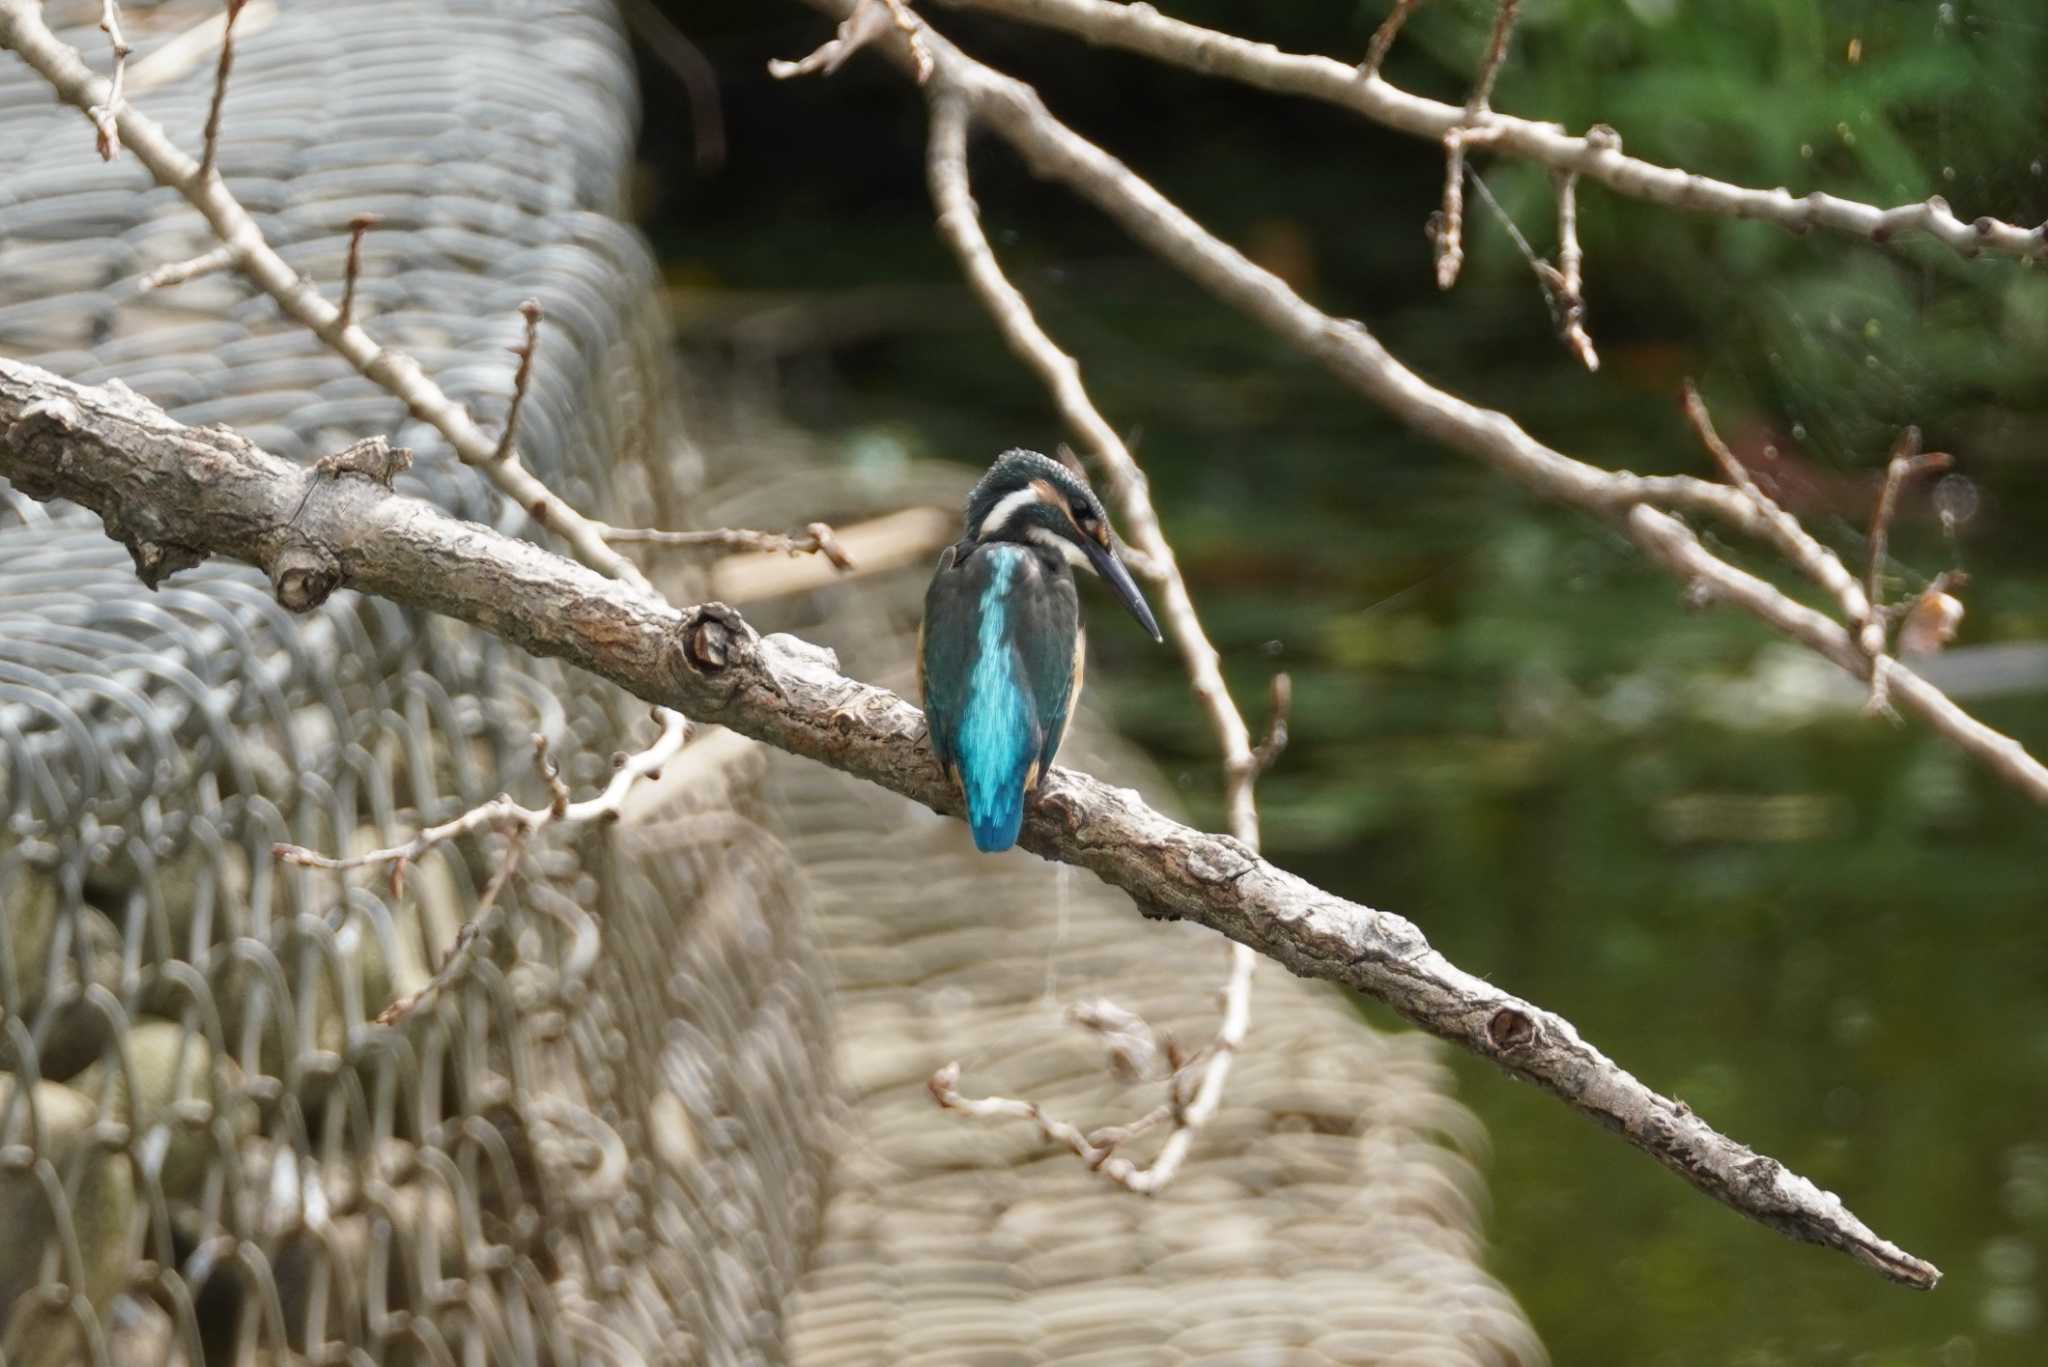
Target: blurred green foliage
point(1821, 930)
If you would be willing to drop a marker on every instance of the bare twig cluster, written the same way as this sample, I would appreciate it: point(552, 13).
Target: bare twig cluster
point(519, 825)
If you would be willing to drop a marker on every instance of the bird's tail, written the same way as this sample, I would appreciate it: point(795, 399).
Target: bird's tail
point(997, 746)
point(996, 820)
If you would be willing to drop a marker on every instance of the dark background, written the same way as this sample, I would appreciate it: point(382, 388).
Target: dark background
point(1822, 930)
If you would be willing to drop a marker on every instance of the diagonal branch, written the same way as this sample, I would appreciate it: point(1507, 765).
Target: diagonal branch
point(177, 495)
point(23, 31)
point(1597, 155)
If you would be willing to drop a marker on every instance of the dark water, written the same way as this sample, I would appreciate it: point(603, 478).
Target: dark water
point(1821, 930)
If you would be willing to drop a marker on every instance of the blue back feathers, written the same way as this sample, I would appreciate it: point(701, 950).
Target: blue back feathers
point(997, 737)
point(996, 663)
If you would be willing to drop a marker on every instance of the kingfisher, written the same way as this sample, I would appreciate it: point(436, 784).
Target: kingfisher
point(999, 655)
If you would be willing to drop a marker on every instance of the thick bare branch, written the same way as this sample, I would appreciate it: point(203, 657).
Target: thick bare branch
point(1597, 155)
point(23, 31)
point(175, 496)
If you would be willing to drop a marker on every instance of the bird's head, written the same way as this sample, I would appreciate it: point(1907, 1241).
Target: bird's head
point(1033, 499)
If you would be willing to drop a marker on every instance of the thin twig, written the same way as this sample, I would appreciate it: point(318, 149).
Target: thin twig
point(1548, 277)
point(106, 117)
point(673, 48)
point(178, 272)
point(1563, 292)
point(1383, 37)
point(520, 824)
point(481, 922)
point(1906, 462)
point(1571, 261)
point(208, 162)
point(1280, 703)
point(1816, 561)
point(818, 539)
point(1448, 224)
point(1783, 531)
point(521, 378)
point(357, 227)
point(959, 225)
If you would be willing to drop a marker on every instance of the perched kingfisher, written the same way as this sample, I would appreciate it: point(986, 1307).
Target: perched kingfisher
point(999, 654)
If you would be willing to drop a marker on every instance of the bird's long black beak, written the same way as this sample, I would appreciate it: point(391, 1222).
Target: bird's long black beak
point(1121, 584)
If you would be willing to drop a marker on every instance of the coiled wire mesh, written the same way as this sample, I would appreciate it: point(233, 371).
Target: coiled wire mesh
point(209, 1150)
